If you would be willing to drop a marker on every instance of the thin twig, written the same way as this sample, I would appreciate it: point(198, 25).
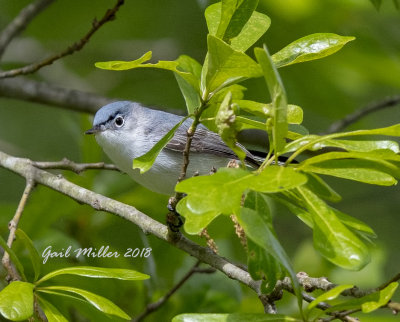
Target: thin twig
point(12, 226)
point(343, 315)
point(21, 21)
point(173, 216)
point(362, 112)
point(394, 306)
point(66, 164)
point(156, 305)
point(394, 279)
point(108, 16)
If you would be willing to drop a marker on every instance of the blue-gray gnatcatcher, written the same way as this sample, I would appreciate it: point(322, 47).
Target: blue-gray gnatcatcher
point(126, 130)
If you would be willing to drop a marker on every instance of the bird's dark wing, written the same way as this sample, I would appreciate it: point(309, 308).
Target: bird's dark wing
point(206, 141)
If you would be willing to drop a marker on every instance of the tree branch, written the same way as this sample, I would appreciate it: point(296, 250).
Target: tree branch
point(362, 112)
point(12, 226)
point(25, 89)
point(66, 164)
point(108, 16)
point(24, 168)
point(156, 305)
point(44, 93)
point(20, 22)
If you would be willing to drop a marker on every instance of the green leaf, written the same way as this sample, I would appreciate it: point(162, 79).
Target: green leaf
point(249, 31)
point(369, 302)
point(380, 298)
point(354, 224)
point(262, 264)
point(236, 90)
point(245, 123)
point(139, 63)
point(294, 112)
point(221, 192)
point(101, 303)
point(257, 25)
point(227, 127)
point(314, 142)
point(195, 223)
point(328, 296)
point(321, 188)
point(331, 238)
point(310, 47)
point(65, 295)
point(296, 209)
point(234, 15)
point(97, 272)
point(34, 255)
point(234, 317)
point(296, 131)
point(348, 145)
point(13, 257)
point(257, 226)
point(278, 96)
point(225, 66)
point(145, 161)
point(356, 170)
point(16, 301)
point(214, 194)
point(362, 146)
point(367, 167)
point(376, 156)
point(52, 314)
point(191, 94)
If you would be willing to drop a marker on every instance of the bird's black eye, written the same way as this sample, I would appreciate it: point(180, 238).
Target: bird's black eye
point(119, 121)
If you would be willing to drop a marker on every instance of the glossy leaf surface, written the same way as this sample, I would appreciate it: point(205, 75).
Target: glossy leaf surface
point(226, 66)
point(97, 272)
point(190, 93)
point(99, 302)
point(252, 28)
point(221, 192)
point(331, 237)
point(311, 47)
point(51, 312)
point(294, 112)
point(16, 301)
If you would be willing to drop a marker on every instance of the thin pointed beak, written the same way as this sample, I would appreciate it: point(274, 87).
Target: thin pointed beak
point(95, 129)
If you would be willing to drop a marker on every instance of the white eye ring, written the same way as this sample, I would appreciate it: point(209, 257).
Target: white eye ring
point(119, 121)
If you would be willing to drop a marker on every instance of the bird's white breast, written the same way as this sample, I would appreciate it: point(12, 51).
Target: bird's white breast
point(163, 175)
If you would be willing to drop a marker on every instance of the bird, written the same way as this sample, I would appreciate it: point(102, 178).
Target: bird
point(126, 130)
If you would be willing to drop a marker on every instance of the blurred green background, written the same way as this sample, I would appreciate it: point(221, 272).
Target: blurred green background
point(366, 70)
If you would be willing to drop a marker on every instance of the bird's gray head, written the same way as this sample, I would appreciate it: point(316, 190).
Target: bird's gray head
point(111, 117)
